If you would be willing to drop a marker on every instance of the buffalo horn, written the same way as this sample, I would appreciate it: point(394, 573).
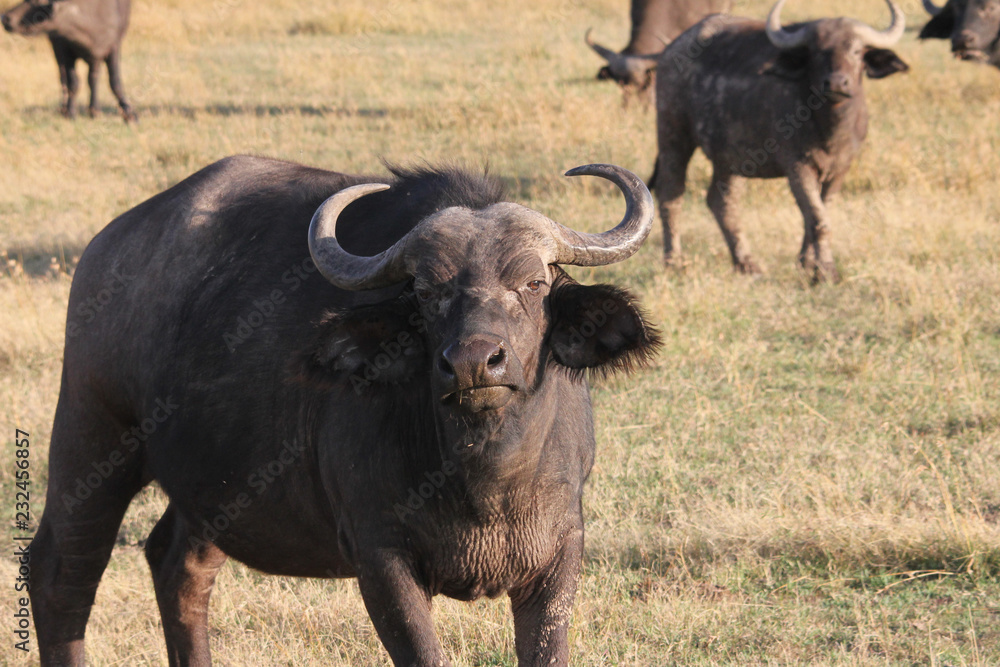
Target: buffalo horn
point(602, 51)
point(883, 39)
point(347, 271)
point(782, 38)
point(931, 8)
point(580, 249)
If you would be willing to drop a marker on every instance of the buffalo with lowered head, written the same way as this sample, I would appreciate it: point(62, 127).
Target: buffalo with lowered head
point(336, 376)
point(973, 26)
point(88, 30)
point(654, 24)
point(766, 101)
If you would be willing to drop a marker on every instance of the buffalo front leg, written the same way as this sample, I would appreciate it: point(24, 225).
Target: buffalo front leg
point(400, 609)
point(816, 253)
point(93, 82)
point(723, 199)
point(184, 568)
point(668, 181)
point(115, 79)
point(543, 608)
point(67, 79)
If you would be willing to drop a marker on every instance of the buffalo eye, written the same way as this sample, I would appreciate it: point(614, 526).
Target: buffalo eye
point(535, 285)
point(423, 294)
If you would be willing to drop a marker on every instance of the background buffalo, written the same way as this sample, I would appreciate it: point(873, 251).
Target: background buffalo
point(87, 30)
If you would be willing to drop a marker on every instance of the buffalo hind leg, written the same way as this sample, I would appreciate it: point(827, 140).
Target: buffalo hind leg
point(723, 199)
point(816, 253)
point(668, 181)
point(184, 568)
point(91, 484)
point(543, 608)
point(115, 79)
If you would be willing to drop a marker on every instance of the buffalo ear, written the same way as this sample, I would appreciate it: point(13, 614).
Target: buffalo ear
point(789, 64)
point(880, 63)
point(598, 327)
point(363, 348)
point(939, 27)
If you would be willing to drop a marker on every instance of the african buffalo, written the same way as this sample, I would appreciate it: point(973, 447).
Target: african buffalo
point(654, 24)
point(973, 26)
point(763, 101)
point(88, 30)
point(395, 391)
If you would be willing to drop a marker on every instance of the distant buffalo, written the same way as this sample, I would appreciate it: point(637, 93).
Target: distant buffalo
point(337, 376)
point(973, 26)
point(766, 101)
point(88, 30)
point(654, 24)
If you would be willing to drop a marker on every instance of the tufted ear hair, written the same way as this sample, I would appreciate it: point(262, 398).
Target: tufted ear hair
point(363, 348)
point(598, 327)
point(880, 63)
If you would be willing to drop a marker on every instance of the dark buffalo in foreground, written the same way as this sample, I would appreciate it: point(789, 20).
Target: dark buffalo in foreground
point(392, 389)
point(88, 30)
point(973, 26)
point(654, 24)
point(766, 101)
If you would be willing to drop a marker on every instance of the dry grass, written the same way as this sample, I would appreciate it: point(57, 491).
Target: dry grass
point(806, 475)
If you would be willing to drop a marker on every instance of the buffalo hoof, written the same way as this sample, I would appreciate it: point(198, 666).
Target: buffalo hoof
point(67, 112)
point(678, 263)
point(129, 116)
point(748, 267)
point(826, 273)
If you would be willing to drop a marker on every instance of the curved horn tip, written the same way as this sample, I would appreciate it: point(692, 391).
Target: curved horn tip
point(591, 169)
point(358, 191)
point(884, 39)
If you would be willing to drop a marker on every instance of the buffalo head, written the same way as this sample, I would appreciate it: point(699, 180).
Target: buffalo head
point(491, 310)
point(31, 17)
point(629, 71)
point(973, 26)
point(832, 54)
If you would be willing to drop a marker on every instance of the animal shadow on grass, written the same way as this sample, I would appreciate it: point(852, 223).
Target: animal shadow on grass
point(225, 109)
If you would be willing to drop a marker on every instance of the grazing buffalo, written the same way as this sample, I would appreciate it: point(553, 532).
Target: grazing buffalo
point(766, 101)
point(654, 24)
point(395, 391)
point(973, 26)
point(88, 30)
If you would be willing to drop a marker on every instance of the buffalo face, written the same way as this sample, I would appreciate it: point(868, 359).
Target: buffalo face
point(832, 55)
point(33, 17)
point(489, 311)
point(973, 26)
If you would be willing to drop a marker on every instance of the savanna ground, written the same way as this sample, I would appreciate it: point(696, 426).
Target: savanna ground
point(806, 475)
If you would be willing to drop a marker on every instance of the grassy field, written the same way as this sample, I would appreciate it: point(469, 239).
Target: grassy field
point(806, 475)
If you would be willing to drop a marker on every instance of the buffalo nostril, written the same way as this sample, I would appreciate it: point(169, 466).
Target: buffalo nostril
point(445, 367)
point(497, 357)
